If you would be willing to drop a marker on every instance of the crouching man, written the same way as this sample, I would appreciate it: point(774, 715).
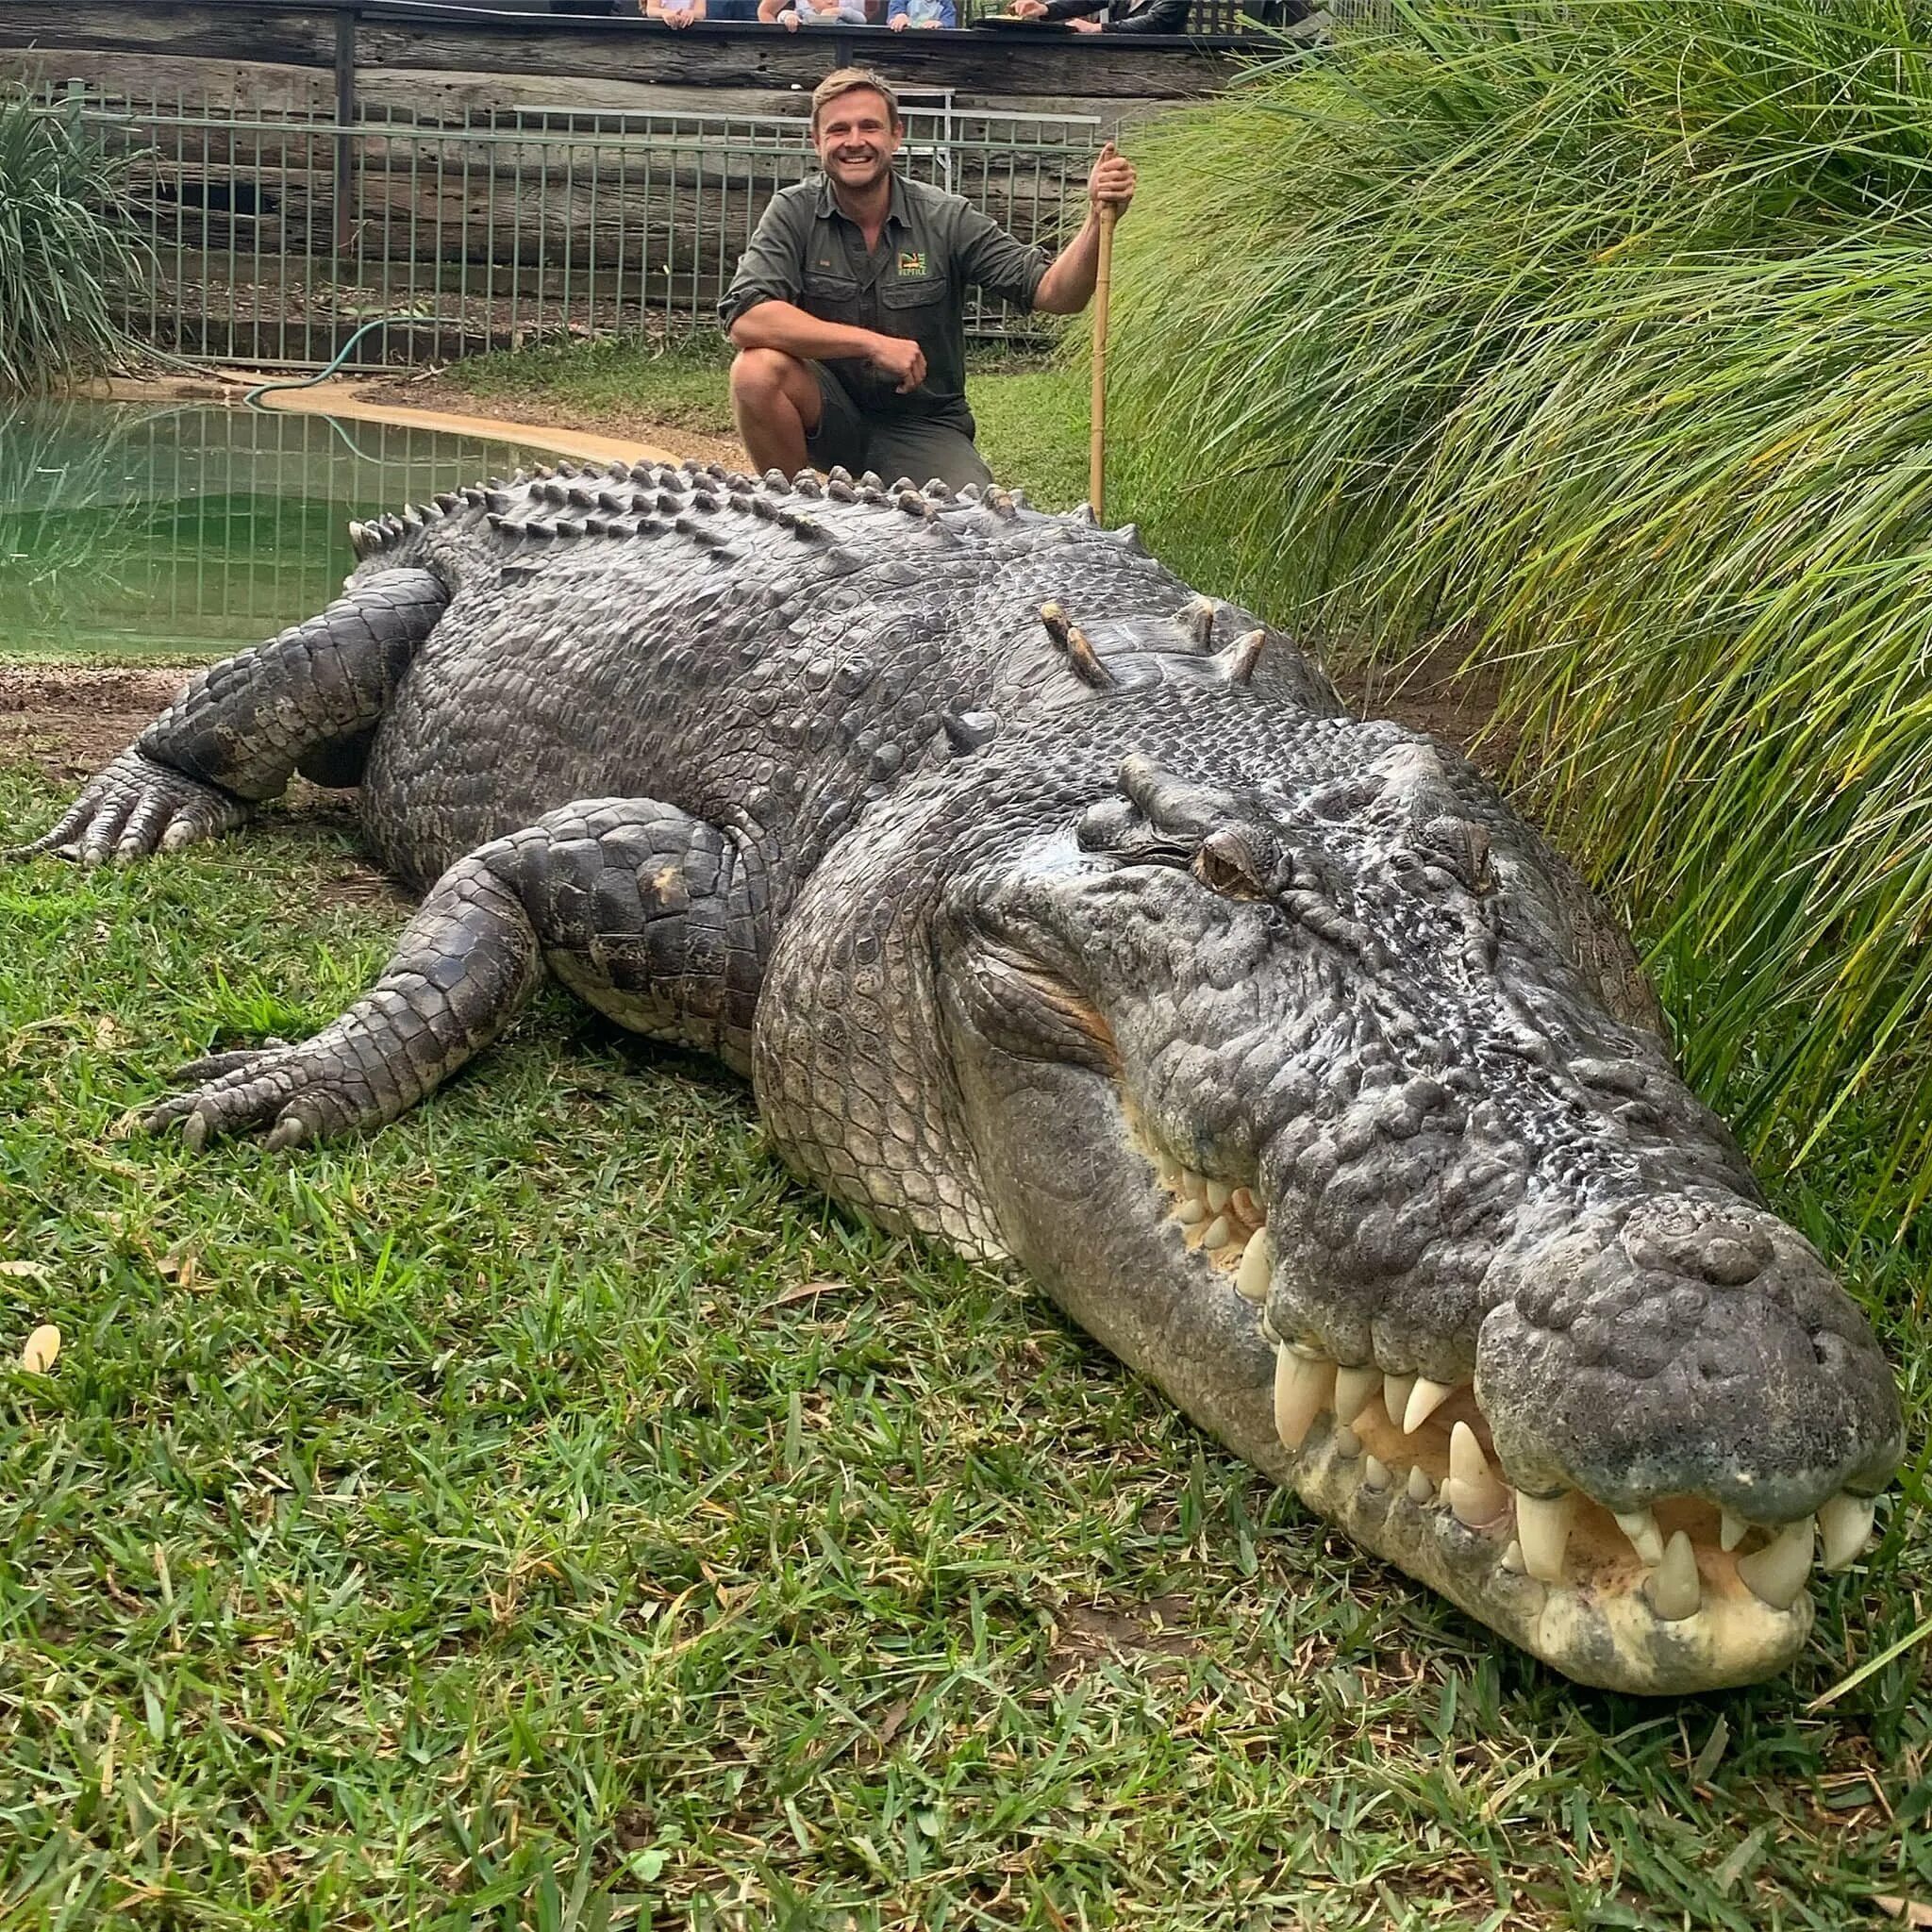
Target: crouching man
point(848, 307)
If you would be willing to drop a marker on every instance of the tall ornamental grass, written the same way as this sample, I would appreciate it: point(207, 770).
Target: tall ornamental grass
point(62, 250)
point(1595, 338)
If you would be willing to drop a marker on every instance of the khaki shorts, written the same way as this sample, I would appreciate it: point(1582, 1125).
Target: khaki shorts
point(918, 447)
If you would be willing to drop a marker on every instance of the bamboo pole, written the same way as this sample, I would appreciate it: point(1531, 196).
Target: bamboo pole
point(1102, 287)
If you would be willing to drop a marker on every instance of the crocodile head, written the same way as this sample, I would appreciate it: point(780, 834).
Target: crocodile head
point(1306, 1095)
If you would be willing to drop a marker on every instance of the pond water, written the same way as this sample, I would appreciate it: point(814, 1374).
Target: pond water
point(169, 532)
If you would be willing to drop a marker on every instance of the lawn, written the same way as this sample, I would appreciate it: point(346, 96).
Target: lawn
point(1032, 416)
point(546, 1513)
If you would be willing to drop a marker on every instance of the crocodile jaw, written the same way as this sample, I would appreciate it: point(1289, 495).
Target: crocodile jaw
point(1607, 1637)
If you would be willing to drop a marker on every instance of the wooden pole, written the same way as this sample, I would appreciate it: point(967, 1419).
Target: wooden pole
point(1102, 287)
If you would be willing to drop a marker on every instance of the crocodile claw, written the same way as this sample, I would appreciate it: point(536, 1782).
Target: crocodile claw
point(132, 808)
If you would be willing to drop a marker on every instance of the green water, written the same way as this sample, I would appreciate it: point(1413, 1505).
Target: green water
point(130, 532)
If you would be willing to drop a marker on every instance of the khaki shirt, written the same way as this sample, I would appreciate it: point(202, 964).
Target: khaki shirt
point(933, 247)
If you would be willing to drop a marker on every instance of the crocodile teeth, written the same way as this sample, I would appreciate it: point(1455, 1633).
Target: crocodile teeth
point(1189, 1210)
point(1846, 1525)
point(1420, 1489)
point(1674, 1588)
point(1376, 1473)
point(1257, 1267)
point(1218, 1233)
point(1474, 1493)
point(1245, 1203)
point(1543, 1525)
point(1346, 1442)
point(1513, 1560)
point(1424, 1399)
point(1640, 1526)
point(1219, 1195)
point(1302, 1388)
point(1395, 1396)
point(1776, 1572)
point(1354, 1389)
point(1730, 1530)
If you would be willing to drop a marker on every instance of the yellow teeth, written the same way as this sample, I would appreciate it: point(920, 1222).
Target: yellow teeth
point(1673, 1589)
point(1303, 1387)
point(1475, 1495)
point(1543, 1526)
point(1424, 1399)
point(1844, 1526)
point(1395, 1396)
point(1257, 1267)
point(1640, 1526)
point(1354, 1389)
point(1779, 1571)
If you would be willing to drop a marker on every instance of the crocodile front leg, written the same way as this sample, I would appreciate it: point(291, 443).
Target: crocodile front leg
point(310, 697)
point(653, 916)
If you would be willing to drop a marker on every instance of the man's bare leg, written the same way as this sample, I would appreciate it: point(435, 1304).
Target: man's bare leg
point(776, 401)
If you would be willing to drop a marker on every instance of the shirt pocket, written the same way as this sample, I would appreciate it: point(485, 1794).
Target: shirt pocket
point(914, 308)
point(831, 297)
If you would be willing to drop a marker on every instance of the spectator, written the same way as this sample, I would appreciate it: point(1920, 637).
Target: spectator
point(1109, 16)
point(902, 14)
point(682, 12)
point(848, 308)
point(794, 14)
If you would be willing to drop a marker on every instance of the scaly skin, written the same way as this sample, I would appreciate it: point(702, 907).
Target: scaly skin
point(1064, 916)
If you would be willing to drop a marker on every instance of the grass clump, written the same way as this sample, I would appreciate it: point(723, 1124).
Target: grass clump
point(1591, 337)
point(62, 251)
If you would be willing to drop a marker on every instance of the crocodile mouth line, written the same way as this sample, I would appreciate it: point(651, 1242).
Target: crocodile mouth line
point(1414, 1459)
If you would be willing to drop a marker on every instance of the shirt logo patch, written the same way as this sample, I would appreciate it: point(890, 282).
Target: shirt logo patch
point(911, 262)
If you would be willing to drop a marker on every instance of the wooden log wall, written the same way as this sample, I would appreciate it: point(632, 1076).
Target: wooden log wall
point(273, 241)
point(404, 38)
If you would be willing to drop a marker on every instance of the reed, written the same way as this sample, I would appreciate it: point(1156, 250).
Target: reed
point(61, 249)
point(1591, 335)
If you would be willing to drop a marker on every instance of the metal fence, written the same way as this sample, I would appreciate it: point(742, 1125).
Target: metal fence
point(273, 236)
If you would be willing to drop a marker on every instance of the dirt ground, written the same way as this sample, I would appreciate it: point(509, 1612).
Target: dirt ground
point(70, 721)
point(431, 391)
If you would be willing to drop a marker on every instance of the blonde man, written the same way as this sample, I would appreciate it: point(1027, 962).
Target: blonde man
point(848, 307)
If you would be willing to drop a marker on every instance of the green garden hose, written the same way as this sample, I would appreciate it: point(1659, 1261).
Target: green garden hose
point(251, 400)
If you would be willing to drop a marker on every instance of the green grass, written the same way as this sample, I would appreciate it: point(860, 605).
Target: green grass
point(544, 1513)
point(1589, 336)
point(1032, 418)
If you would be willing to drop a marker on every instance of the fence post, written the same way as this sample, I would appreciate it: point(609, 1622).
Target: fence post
point(345, 122)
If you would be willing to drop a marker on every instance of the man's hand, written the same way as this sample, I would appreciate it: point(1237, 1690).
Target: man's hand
point(898, 22)
point(900, 357)
point(1027, 10)
point(1082, 24)
point(1111, 183)
point(789, 21)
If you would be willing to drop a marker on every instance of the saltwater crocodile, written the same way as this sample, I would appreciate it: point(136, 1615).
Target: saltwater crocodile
point(1064, 915)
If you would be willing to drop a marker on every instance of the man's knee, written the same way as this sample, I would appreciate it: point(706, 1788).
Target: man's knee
point(762, 375)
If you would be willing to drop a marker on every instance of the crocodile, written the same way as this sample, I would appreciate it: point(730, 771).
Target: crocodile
point(1064, 915)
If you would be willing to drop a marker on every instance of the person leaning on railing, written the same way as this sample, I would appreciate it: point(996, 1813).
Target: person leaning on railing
point(794, 14)
point(1109, 16)
point(683, 12)
point(902, 14)
point(848, 308)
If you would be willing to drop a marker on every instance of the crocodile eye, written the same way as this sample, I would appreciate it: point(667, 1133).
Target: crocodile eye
point(1239, 862)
